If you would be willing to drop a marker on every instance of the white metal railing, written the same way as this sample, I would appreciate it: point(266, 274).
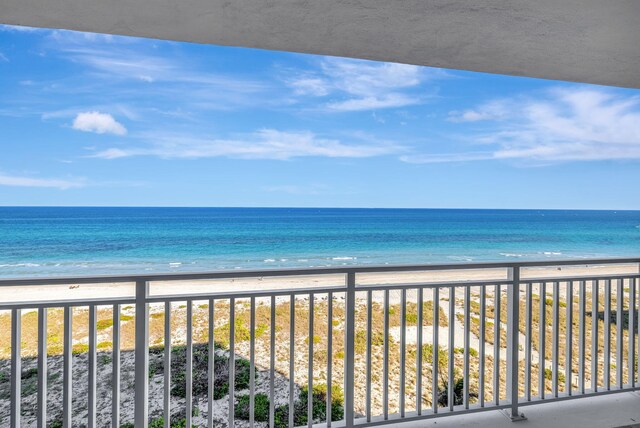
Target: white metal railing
point(526, 337)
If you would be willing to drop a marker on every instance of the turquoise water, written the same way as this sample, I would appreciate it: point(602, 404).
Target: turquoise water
point(87, 241)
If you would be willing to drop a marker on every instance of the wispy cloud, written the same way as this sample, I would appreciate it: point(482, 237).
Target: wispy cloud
point(447, 157)
point(577, 124)
point(263, 144)
point(356, 85)
point(3, 57)
point(19, 28)
point(56, 183)
point(100, 123)
point(493, 110)
point(126, 58)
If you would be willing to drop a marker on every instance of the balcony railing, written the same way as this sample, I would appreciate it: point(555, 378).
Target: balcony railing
point(339, 346)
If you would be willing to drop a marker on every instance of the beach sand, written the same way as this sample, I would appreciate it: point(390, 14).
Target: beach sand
point(323, 283)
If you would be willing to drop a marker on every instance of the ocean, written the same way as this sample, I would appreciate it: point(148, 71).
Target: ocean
point(54, 241)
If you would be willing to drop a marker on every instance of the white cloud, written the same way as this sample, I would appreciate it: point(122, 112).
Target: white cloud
point(493, 110)
point(21, 181)
point(263, 144)
point(122, 60)
point(135, 72)
point(447, 157)
point(100, 123)
point(315, 86)
point(578, 124)
point(3, 57)
point(356, 85)
point(19, 28)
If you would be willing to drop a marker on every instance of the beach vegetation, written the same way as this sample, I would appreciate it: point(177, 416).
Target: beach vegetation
point(319, 407)
point(103, 346)
point(200, 365)
point(261, 407)
point(80, 348)
point(458, 393)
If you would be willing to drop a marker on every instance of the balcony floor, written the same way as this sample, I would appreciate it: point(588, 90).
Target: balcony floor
point(604, 411)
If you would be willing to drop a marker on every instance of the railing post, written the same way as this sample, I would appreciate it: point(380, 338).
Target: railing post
point(349, 349)
point(142, 355)
point(16, 367)
point(513, 335)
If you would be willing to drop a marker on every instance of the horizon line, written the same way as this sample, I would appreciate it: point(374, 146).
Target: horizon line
point(319, 207)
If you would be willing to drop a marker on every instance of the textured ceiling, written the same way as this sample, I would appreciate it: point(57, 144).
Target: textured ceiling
point(575, 40)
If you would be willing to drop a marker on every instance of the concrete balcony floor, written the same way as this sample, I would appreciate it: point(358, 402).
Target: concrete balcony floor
point(605, 411)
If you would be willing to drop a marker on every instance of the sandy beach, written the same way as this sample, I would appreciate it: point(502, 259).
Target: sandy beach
point(322, 283)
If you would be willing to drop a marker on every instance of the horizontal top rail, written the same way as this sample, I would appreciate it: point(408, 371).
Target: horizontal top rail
point(231, 274)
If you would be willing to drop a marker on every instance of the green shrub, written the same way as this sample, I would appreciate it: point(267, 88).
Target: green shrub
point(56, 423)
point(80, 348)
point(548, 375)
point(427, 352)
point(261, 408)
point(458, 393)
point(411, 318)
point(104, 324)
point(360, 342)
point(200, 365)
point(30, 373)
point(104, 345)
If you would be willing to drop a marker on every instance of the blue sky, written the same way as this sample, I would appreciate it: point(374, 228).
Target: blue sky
point(91, 119)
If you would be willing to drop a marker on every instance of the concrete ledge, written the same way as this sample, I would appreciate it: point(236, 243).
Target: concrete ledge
point(606, 411)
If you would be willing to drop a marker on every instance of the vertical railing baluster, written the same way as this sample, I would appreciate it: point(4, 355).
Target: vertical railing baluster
point(467, 339)
point(368, 363)
point(496, 346)
point(211, 363)
point(252, 361)
point(568, 353)
point(513, 337)
point(167, 365)
point(92, 363)
point(272, 364)
point(292, 350)
point(619, 337)
point(403, 349)
point(638, 330)
point(419, 327)
point(385, 359)
point(452, 329)
point(631, 326)
point(529, 342)
point(594, 334)
point(542, 345)
point(607, 334)
point(330, 357)
point(42, 368)
point(115, 368)
point(16, 367)
point(142, 355)
point(189, 365)
point(349, 411)
point(582, 337)
point(232, 361)
point(435, 350)
point(67, 381)
point(555, 347)
point(310, 365)
point(482, 339)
